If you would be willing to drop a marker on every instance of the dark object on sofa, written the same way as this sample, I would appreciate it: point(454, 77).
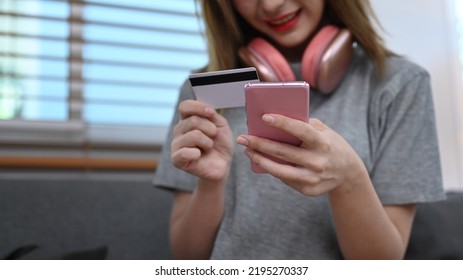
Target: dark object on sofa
point(437, 232)
point(18, 253)
point(92, 254)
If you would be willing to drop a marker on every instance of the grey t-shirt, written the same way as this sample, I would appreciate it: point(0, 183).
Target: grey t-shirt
point(389, 122)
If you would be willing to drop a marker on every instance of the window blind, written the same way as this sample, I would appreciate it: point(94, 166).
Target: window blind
point(88, 73)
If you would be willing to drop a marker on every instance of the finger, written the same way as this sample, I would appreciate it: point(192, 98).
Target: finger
point(193, 139)
point(189, 108)
point(294, 176)
point(309, 133)
point(184, 157)
point(275, 149)
point(195, 123)
point(296, 155)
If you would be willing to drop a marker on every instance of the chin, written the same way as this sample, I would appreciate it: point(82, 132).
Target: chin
point(292, 39)
point(291, 43)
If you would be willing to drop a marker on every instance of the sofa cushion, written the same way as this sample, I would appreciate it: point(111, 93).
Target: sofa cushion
point(437, 232)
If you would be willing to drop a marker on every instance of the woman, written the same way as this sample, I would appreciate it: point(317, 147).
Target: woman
point(369, 151)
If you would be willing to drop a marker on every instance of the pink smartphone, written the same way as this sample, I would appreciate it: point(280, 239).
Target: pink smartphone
point(290, 99)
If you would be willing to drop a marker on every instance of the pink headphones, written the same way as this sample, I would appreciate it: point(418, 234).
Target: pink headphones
point(324, 62)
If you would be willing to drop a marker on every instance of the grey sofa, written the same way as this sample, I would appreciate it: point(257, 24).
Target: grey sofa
point(88, 219)
point(128, 219)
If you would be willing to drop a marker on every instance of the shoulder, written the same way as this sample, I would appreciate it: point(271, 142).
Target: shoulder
point(400, 77)
point(401, 71)
point(398, 71)
point(401, 82)
point(404, 82)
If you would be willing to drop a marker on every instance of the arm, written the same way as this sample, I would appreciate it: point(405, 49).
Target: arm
point(195, 220)
point(326, 164)
point(366, 229)
point(201, 146)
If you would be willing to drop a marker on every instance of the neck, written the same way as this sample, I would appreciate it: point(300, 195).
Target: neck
point(294, 54)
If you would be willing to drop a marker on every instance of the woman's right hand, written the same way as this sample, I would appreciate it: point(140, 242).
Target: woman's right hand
point(202, 143)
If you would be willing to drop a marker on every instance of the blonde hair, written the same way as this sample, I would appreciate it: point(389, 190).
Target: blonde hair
point(226, 31)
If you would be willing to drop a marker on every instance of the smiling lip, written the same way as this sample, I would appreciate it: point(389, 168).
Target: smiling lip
point(285, 22)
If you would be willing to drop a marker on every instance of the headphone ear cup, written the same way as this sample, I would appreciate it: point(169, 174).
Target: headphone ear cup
point(327, 58)
point(336, 61)
point(269, 60)
point(314, 52)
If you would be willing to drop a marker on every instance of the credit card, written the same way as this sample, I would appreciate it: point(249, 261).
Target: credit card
point(223, 89)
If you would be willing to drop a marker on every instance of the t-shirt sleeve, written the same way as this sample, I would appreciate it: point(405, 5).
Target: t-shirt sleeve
point(167, 175)
point(406, 162)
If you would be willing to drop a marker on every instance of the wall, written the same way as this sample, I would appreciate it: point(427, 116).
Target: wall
point(425, 32)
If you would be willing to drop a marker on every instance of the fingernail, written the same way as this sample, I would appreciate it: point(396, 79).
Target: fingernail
point(208, 110)
point(268, 118)
point(242, 141)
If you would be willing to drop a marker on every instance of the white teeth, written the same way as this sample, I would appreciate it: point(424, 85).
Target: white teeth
point(283, 20)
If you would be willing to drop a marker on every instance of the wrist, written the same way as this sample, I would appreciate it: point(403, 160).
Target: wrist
point(357, 178)
point(212, 184)
point(208, 184)
point(215, 177)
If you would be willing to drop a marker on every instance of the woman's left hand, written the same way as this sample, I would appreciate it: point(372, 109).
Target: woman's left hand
point(323, 162)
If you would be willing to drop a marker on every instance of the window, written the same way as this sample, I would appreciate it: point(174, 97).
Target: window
point(100, 73)
point(459, 90)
